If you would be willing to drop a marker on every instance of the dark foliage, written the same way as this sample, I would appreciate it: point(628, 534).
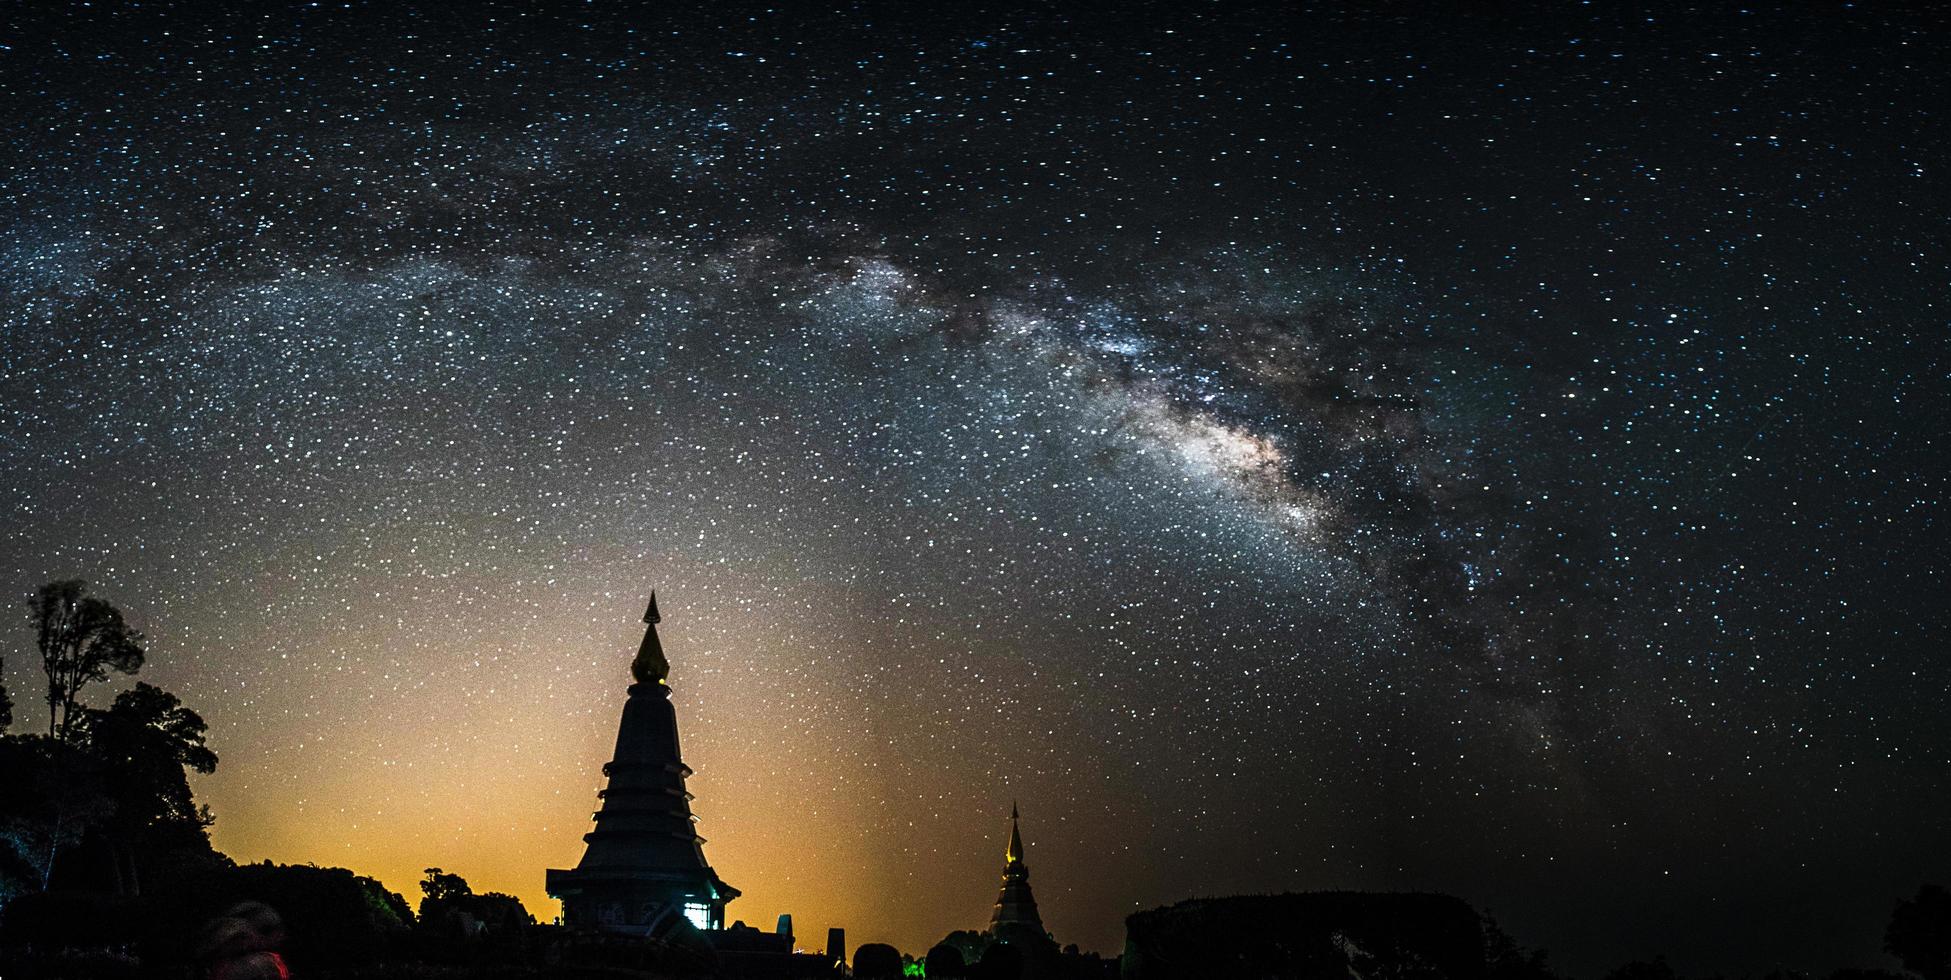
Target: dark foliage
point(1307, 935)
point(1075, 964)
point(877, 961)
point(1001, 961)
point(102, 802)
point(458, 926)
point(57, 794)
point(1919, 933)
point(69, 964)
point(448, 904)
point(155, 926)
point(439, 889)
point(61, 919)
point(334, 918)
point(591, 955)
point(147, 739)
point(970, 943)
point(110, 807)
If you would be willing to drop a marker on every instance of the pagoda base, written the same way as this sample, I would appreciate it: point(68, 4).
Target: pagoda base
point(638, 903)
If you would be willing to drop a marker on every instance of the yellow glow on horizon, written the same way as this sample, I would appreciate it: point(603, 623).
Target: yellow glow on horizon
point(498, 790)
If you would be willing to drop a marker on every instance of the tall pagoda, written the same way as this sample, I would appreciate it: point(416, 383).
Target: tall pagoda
point(645, 862)
point(1016, 916)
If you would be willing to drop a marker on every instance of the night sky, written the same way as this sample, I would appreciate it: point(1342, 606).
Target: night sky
point(1385, 448)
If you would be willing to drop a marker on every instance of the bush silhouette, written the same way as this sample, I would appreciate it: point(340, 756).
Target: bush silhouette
point(876, 961)
point(945, 961)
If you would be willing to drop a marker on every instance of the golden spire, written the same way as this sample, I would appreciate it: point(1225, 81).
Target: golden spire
point(650, 665)
point(1015, 853)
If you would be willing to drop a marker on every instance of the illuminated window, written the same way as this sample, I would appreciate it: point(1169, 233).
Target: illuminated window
point(699, 914)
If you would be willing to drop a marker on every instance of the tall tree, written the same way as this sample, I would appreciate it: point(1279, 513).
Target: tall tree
point(147, 739)
point(439, 890)
point(81, 638)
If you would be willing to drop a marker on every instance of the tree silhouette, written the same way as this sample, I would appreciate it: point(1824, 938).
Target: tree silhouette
point(439, 889)
point(970, 943)
point(6, 700)
point(877, 961)
point(116, 783)
point(1919, 933)
point(1001, 961)
point(80, 638)
point(336, 918)
point(107, 781)
point(147, 739)
point(447, 903)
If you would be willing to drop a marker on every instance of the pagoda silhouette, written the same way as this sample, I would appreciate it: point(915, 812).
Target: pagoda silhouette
point(1016, 918)
point(645, 863)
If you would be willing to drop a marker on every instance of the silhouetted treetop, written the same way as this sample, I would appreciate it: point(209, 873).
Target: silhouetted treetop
point(6, 700)
point(147, 738)
point(148, 718)
point(439, 886)
point(877, 961)
point(80, 638)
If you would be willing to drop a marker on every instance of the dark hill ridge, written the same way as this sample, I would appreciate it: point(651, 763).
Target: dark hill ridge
point(1317, 934)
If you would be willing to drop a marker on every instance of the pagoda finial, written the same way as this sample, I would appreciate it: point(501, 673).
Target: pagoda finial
point(650, 667)
point(1015, 855)
point(1016, 914)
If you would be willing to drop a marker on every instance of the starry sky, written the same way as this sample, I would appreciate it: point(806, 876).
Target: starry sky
point(1388, 446)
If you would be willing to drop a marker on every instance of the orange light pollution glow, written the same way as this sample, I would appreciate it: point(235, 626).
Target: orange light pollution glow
point(1284, 446)
point(805, 809)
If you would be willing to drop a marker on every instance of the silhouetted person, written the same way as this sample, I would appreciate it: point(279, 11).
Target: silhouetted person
point(243, 944)
point(945, 961)
point(877, 961)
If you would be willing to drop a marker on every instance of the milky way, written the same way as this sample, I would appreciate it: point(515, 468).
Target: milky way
point(1281, 450)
